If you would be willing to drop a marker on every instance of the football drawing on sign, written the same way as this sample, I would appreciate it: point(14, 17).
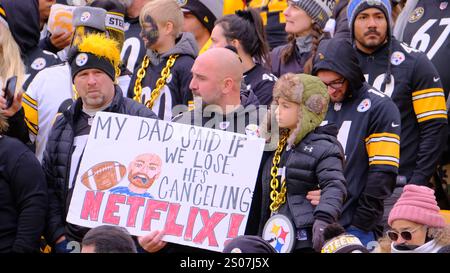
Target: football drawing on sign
point(104, 175)
point(142, 173)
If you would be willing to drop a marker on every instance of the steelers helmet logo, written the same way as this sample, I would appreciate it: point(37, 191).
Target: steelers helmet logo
point(397, 58)
point(38, 63)
point(252, 130)
point(85, 16)
point(281, 234)
point(81, 59)
point(181, 2)
point(364, 106)
point(416, 15)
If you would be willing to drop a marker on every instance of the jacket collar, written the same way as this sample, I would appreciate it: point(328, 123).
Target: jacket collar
point(73, 112)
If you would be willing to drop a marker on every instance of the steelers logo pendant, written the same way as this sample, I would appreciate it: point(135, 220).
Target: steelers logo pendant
point(280, 233)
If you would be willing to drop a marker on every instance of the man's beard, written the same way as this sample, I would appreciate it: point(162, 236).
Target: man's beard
point(373, 44)
point(140, 180)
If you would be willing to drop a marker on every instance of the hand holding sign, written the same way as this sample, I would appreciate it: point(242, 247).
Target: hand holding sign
point(193, 183)
point(152, 242)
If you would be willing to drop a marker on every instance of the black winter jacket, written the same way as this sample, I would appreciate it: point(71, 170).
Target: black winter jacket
point(57, 156)
point(316, 161)
point(23, 198)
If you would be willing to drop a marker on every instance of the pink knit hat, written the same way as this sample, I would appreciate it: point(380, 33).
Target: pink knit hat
point(417, 204)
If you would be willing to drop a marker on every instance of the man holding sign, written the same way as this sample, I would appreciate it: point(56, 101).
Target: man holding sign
point(202, 193)
point(94, 64)
point(215, 84)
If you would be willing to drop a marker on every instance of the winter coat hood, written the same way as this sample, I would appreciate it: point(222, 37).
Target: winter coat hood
point(312, 96)
point(23, 20)
point(185, 45)
point(338, 55)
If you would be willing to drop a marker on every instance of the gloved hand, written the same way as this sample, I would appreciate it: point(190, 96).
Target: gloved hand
point(317, 231)
point(61, 247)
point(364, 236)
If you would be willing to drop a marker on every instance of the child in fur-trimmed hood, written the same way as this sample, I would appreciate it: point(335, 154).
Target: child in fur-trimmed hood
point(306, 156)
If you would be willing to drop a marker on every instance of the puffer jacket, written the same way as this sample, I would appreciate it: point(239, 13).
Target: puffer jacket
point(316, 162)
point(57, 157)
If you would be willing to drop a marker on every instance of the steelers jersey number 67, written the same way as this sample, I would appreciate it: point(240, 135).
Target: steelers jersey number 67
point(422, 40)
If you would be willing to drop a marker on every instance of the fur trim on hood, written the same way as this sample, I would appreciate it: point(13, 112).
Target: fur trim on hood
point(312, 96)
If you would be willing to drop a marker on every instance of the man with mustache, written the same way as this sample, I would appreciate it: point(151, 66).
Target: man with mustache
point(94, 73)
point(142, 173)
point(410, 79)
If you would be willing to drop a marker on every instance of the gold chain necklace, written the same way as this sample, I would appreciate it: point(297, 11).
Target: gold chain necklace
point(278, 198)
point(165, 72)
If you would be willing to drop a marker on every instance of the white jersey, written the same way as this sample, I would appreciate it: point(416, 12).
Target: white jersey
point(41, 101)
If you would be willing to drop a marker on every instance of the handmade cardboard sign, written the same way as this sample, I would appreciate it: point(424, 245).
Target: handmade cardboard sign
point(143, 174)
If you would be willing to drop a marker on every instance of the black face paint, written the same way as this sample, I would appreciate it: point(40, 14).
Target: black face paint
point(149, 32)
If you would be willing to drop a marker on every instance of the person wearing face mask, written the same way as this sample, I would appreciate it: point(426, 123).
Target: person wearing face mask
point(305, 20)
point(161, 81)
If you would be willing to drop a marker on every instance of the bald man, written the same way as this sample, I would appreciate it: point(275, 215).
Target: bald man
point(216, 78)
point(219, 104)
point(219, 101)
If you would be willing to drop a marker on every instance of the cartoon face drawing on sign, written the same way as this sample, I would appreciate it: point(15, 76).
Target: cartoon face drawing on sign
point(143, 171)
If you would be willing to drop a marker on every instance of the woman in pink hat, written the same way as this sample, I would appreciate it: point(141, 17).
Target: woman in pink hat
point(416, 225)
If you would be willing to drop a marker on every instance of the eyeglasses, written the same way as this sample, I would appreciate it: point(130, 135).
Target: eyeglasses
point(336, 84)
point(406, 234)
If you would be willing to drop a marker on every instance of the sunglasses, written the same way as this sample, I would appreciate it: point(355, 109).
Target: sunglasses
point(336, 84)
point(406, 234)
